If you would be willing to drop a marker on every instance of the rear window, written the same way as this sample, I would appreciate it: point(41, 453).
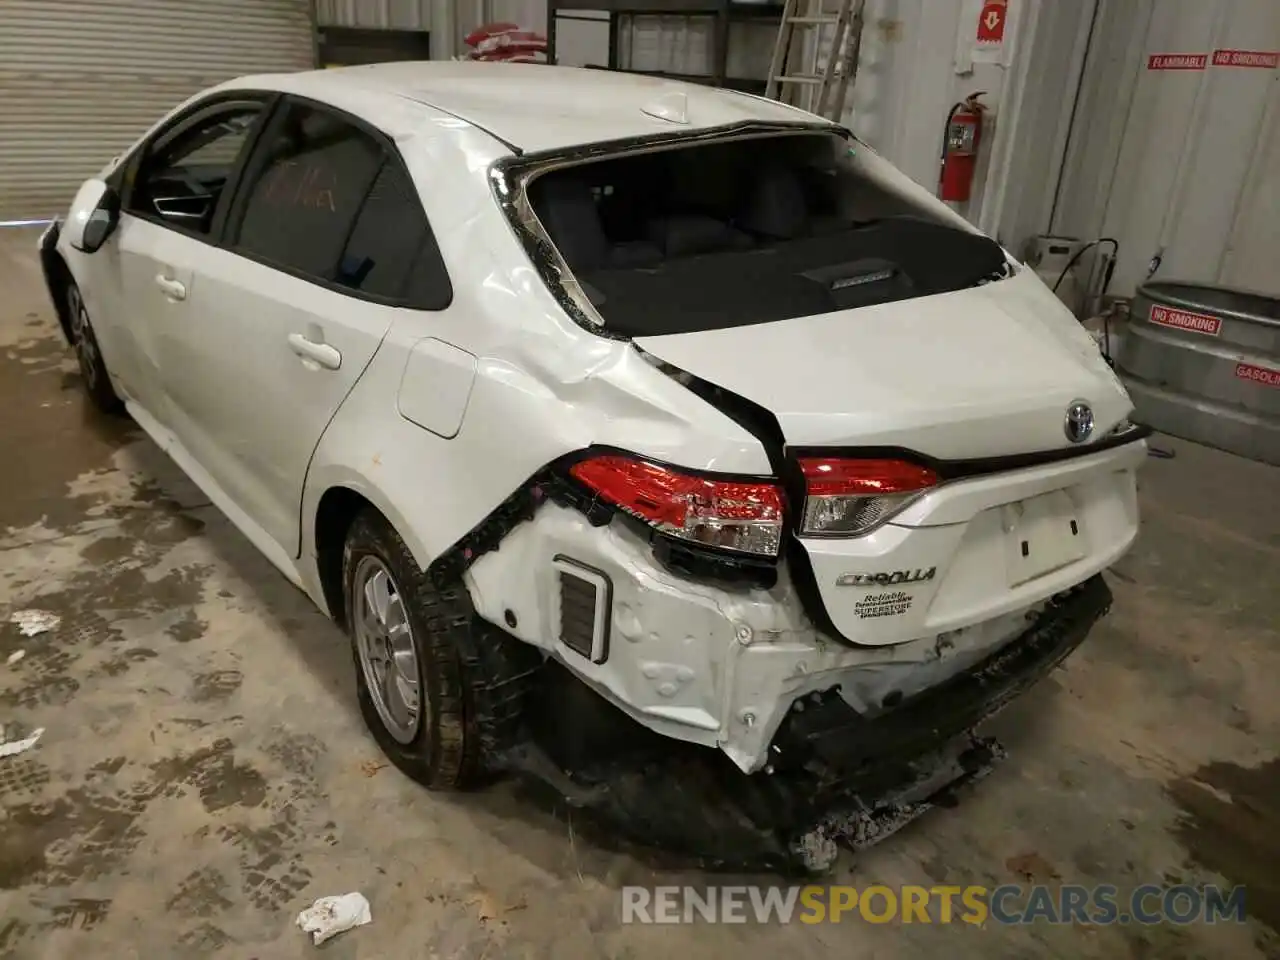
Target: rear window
point(730, 233)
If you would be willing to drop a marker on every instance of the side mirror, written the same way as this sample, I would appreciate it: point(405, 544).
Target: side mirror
point(94, 216)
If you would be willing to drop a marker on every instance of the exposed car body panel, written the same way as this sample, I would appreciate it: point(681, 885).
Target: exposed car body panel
point(700, 663)
point(516, 423)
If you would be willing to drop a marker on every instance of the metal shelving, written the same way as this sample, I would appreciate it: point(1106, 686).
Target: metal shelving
point(724, 12)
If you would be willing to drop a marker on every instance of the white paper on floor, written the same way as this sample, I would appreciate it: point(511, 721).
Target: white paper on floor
point(11, 747)
point(15, 657)
point(33, 622)
point(329, 916)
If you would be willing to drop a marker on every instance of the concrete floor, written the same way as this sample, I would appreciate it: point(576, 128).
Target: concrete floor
point(204, 773)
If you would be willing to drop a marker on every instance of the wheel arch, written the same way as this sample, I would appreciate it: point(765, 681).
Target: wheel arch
point(57, 273)
point(331, 506)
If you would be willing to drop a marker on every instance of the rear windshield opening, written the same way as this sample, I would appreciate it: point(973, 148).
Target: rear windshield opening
point(746, 231)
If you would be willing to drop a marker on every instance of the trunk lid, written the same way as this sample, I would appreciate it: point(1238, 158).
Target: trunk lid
point(983, 372)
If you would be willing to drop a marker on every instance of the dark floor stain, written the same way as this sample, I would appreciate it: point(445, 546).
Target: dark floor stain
point(220, 779)
point(187, 627)
point(201, 894)
point(22, 776)
point(81, 835)
point(272, 885)
point(204, 940)
point(79, 914)
point(51, 673)
point(1032, 867)
point(296, 752)
point(217, 685)
point(271, 872)
point(59, 434)
point(121, 662)
point(109, 766)
point(12, 932)
point(106, 550)
point(1237, 838)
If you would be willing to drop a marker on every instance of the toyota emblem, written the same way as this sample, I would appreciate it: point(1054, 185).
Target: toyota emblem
point(1078, 424)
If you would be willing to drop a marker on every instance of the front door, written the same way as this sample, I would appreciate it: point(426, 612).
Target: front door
point(175, 195)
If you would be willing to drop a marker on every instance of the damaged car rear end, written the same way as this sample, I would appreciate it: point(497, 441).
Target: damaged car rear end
point(888, 472)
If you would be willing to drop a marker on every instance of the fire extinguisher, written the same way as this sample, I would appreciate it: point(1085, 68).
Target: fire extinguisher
point(960, 149)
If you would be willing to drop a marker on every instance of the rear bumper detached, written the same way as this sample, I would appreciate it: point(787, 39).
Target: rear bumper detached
point(837, 777)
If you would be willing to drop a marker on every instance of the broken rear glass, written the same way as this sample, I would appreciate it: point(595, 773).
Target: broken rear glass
point(736, 232)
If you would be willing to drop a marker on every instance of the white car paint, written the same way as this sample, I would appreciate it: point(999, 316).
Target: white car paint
point(437, 417)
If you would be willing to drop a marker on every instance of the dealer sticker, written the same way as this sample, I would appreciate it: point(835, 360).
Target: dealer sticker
point(1256, 374)
point(1185, 320)
point(892, 604)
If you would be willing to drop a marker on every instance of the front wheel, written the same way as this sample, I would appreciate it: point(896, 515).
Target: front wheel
point(440, 690)
point(97, 382)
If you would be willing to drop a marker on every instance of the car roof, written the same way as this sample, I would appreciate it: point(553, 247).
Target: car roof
point(534, 107)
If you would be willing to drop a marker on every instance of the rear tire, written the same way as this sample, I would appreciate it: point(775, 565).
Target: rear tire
point(440, 690)
point(93, 371)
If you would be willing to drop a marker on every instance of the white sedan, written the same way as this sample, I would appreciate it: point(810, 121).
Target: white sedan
point(615, 418)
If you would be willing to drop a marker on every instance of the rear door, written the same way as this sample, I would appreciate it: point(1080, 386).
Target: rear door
point(325, 244)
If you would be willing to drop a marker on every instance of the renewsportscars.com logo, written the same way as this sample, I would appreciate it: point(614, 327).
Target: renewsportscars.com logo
point(1006, 905)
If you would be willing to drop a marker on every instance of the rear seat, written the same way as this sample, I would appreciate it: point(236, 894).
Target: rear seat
point(568, 211)
point(778, 209)
point(689, 234)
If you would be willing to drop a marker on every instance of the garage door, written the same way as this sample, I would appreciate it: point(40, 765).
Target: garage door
point(81, 79)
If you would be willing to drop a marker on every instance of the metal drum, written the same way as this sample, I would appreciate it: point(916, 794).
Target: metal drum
point(1203, 363)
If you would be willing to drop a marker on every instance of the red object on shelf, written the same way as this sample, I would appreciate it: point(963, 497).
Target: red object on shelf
point(506, 42)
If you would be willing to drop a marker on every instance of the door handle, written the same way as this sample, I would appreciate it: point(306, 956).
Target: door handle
point(173, 289)
point(318, 353)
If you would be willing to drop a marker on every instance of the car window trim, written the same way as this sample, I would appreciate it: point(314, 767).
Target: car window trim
point(264, 99)
point(390, 154)
point(211, 106)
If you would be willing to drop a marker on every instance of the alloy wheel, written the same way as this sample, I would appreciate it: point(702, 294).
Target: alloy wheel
point(86, 345)
point(384, 646)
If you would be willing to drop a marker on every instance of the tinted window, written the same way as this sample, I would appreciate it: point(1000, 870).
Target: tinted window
point(309, 179)
point(391, 251)
point(184, 171)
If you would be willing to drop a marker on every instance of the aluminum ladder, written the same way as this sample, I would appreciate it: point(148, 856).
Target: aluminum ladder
point(829, 77)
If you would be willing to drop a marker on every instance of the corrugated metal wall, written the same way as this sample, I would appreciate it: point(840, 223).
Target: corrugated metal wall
point(377, 14)
point(1178, 159)
point(81, 79)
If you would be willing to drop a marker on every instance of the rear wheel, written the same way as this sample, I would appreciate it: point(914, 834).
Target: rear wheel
point(440, 690)
point(93, 370)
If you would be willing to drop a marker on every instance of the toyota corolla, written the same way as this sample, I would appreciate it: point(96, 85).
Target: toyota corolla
point(629, 429)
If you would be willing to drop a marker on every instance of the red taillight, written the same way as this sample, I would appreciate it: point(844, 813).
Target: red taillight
point(846, 498)
point(745, 516)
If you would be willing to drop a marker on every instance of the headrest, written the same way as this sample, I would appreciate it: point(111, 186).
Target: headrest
point(690, 234)
point(568, 211)
point(776, 207)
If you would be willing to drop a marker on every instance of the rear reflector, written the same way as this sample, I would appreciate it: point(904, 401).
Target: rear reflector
point(848, 498)
point(744, 516)
point(586, 600)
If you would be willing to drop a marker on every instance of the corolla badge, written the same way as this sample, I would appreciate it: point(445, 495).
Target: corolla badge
point(885, 578)
point(1078, 424)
